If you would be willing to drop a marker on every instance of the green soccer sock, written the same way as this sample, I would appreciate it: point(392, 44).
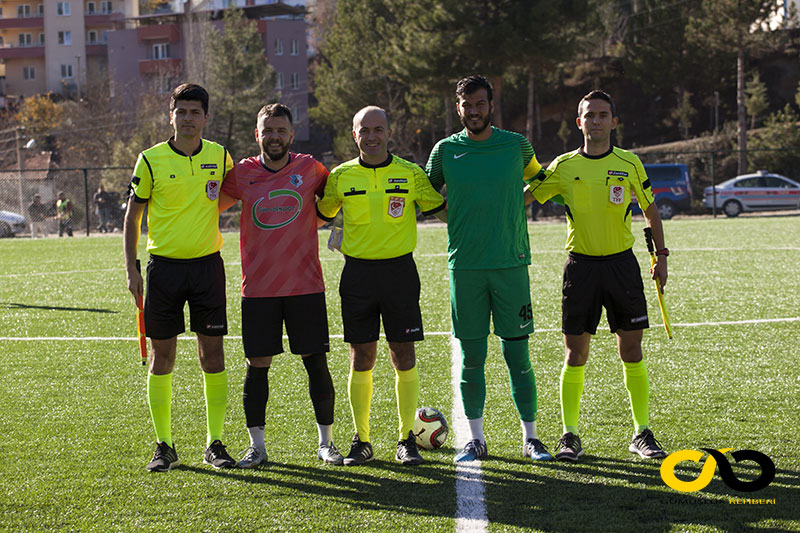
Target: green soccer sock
point(159, 397)
point(473, 380)
point(216, 391)
point(638, 385)
point(406, 386)
point(360, 391)
point(523, 381)
point(572, 378)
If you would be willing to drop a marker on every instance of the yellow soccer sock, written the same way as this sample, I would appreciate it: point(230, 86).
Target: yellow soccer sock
point(406, 386)
point(638, 385)
point(572, 378)
point(359, 387)
point(159, 397)
point(216, 392)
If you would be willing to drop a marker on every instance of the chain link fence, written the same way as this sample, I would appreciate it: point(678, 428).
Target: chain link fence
point(79, 185)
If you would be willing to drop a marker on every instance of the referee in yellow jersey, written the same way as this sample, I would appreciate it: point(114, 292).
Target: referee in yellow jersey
point(179, 181)
point(596, 182)
point(379, 193)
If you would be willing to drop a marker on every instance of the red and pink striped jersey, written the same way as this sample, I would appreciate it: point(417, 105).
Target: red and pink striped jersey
point(279, 244)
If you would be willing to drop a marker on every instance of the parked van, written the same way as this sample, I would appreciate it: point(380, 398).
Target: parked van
point(671, 186)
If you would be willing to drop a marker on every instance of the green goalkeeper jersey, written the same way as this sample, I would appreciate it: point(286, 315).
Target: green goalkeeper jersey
point(486, 219)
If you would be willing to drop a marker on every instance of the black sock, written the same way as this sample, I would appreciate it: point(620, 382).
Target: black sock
point(255, 395)
point(320, 387)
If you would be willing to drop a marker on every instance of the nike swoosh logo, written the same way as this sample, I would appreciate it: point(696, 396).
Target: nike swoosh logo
point(526, 324)
point(459, 155)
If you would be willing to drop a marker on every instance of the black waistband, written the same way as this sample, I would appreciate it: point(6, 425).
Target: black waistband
point(209, 257)
point(397, 259)
point(583, 257)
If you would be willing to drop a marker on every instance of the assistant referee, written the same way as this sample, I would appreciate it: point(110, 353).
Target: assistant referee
point(379, 193)
point(179, 181)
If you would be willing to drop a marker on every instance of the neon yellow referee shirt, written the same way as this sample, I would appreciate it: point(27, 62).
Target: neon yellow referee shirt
point(597, 198)
point(182, 194)
point(379, 206)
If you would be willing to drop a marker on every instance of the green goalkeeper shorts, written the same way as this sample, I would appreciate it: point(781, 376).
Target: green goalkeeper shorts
point(503, 294)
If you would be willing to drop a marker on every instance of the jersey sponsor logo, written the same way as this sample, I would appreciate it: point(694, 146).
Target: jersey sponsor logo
point(637, 319)
point(212, 189)
point(296, 180)
point(398, 180)
point(396, 206)
point(412, 330)
point(459, 155)
point(617, 173)
point(208, 165)
point(291, 209)
point(616, 194)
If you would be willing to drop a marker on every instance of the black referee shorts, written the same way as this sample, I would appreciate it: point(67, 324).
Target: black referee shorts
point(593, 282)
point(173, 282)
point(388, 288)
point(306, 319)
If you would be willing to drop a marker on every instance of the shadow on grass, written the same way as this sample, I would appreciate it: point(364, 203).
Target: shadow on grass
point(12, 305)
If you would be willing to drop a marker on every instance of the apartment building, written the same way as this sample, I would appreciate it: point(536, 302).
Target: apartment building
point(54, 46)
point(154, 55)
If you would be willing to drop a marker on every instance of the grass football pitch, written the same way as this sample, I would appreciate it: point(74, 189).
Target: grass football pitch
point(76, 431)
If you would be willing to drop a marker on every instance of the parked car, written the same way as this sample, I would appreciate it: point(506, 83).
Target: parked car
point(762, 191)
point(11, 224)
point(671, 187)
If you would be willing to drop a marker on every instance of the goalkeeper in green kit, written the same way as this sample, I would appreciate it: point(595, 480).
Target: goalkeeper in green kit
point(485, 170)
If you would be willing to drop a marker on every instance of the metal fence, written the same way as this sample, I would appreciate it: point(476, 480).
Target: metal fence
point(18, 187)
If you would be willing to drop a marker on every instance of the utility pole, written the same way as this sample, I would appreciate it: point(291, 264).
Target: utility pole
point(20, 167)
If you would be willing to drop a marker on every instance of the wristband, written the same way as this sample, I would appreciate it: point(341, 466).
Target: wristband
point(663, 251)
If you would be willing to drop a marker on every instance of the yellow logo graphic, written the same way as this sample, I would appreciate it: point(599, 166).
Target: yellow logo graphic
point(717, 458)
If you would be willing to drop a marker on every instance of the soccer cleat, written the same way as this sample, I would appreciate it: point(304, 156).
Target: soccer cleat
point(327, 453)
point(569, 448)
point(165, 458)
point(473, 451)
point(217, 456)
point(360, 452)
point(407, 452)
point(253, 458)
point(537, 451)
point(646, 445)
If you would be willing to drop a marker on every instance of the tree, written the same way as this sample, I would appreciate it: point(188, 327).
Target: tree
point(780, 142)
point(756, 101)
point(737, 28)
point(40, 115)
point(563, 133)
point(240, 84)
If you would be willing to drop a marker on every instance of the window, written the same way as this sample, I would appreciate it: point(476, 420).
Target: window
point(63, 8)
point(90, 8)
point(28, 73)
point(66, 71)
point(23, 11)
point(161, 51)
point(92, 37)
point(65, 37)
point(25, 39)
point(41, 39)
point(278, 47)
point(295, 80)
point(104, 36)
point(40, 10)
point(105, 8)
point(295, 49)
point(279, 81)
point(295, 115)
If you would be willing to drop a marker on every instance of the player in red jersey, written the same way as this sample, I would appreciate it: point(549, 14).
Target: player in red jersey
point(281, 275)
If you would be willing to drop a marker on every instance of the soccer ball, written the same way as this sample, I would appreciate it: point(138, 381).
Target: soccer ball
point(430, 428)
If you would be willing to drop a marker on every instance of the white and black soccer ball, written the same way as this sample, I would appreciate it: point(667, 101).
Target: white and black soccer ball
point(430, 428)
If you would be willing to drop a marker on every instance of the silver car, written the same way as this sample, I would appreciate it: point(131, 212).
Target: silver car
point(11, 224)
point(762, 191)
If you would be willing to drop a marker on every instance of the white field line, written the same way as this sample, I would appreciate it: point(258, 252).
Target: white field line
point(428, 333)
point(470, 502)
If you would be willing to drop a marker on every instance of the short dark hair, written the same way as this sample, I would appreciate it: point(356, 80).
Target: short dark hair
point(274, 110)
point(473, 83)
point(597, 94)
point(189, 91)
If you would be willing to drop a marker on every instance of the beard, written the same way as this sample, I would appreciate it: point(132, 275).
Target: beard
point(487, 120)
point(275, 156)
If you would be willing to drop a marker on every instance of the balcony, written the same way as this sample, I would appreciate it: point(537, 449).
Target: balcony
point(160, 66)
point(21, 23)
point(8, 51)
point(96, 49)
point(159, 32)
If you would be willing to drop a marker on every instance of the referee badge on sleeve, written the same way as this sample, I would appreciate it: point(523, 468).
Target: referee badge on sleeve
point(396, 206)
point(616, 194)
point(212, 189)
